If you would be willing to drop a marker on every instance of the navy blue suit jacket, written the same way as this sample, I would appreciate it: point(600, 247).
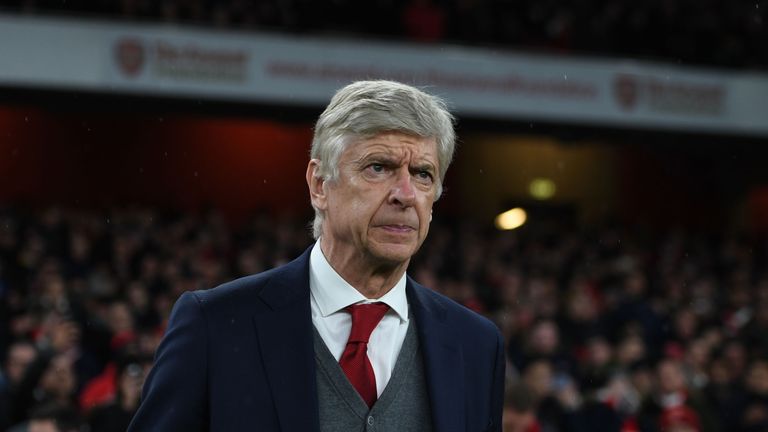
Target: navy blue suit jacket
point(240, 357)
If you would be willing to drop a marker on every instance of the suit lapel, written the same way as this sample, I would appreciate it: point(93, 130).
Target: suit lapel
point(284, 333)
point(443, 360)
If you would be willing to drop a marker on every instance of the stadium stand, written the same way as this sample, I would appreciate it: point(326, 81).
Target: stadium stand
point(712, 32)
point(604, 328)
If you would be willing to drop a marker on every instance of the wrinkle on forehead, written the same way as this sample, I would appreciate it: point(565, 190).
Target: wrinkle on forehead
point(400, 148)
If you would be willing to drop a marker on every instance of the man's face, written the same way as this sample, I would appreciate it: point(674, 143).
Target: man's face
point(19, 357)
point(380, 206)
point(42, 425)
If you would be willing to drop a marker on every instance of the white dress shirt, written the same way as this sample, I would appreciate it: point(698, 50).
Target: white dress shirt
point(330, 294)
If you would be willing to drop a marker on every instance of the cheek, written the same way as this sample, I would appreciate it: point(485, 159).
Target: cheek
point(357, 211)
point(425, 211)
point(355, 214)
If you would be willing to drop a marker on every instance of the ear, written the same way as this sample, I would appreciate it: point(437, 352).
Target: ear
point(316, 185)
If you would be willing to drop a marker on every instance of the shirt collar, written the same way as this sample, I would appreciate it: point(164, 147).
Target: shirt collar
point(332, 293)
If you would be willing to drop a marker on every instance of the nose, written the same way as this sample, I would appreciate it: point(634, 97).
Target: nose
point(403, 193)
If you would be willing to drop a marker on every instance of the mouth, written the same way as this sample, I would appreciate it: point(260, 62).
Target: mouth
point(397, 228)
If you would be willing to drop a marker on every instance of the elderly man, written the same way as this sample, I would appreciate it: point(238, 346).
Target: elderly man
point(340, 339)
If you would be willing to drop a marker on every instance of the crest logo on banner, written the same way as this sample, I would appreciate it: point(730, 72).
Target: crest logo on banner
point(130, 56)
point(626, 91)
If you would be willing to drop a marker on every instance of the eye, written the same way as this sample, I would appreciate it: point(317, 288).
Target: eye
point(424, 175)
point(376, 169)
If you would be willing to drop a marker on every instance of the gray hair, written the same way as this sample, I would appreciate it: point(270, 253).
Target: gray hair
point(365, 109)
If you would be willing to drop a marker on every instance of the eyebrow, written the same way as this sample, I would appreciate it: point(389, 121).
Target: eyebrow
point(423, 167)
point(377, 156)
point(391, 158)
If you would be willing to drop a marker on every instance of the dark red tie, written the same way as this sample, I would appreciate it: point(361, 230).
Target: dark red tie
point(354, 361)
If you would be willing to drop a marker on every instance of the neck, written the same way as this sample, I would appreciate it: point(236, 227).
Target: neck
point(371, 277)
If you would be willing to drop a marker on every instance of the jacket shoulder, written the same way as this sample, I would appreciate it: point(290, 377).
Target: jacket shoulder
point(247, 292)
point(235, 288)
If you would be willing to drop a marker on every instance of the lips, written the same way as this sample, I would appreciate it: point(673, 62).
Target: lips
point(397, 228)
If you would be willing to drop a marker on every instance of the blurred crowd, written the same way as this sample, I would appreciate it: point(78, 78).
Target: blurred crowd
point(612, 329)
point(706, 32)
point(84, 299)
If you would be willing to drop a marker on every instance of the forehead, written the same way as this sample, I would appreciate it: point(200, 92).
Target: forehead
point(394, 144)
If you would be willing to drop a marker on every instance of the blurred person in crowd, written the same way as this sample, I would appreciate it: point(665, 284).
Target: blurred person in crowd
point(49, 380)
point(384, 350)
point(115, 415)
point(51, 417)
point(680, 419)
point(58, 381)
point(607, 403)
point(630, 349)
point(634, 310)
point(20, 355)
point(739, 302)
point(139, 302)
point(754, 415)
point(674, 403)
point(641, 378)
point(541, 341)
point(120, 322)
point(544, 296)
point(519, 410)
point(582, 318)
point(553, 393)
point(697, 358)
point(723, 393)
point(685, 326)
point(80, 259)
point(51, 374)
point(122, 340)
point(735, 354)
point(756, 332)
point(538, 376)
point(597, 364)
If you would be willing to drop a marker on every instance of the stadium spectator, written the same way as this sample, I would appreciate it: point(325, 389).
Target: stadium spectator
point(675, 405)
point(115, 415)
point(50, 417)
point(19, 356)
point(754, 415)
point(519, 410)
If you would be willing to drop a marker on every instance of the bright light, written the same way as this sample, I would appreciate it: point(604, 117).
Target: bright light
point(542, 188)
point(511, 219)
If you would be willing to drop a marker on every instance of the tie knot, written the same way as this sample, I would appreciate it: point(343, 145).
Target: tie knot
point(365, 318)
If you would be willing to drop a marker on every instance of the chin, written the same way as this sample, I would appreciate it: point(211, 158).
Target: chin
point(394, 254)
